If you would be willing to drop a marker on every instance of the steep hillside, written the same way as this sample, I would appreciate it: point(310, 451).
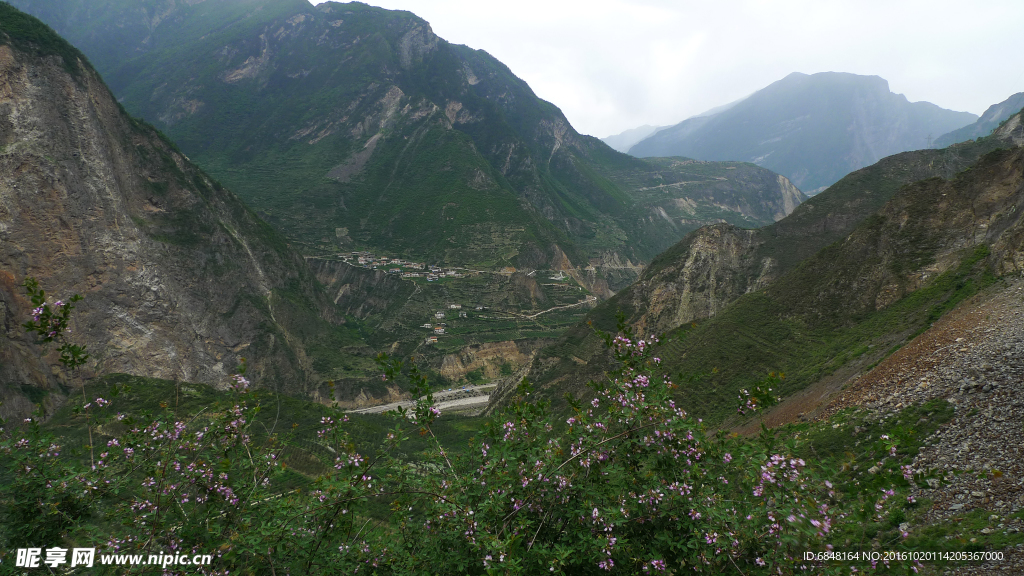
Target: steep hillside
point(734, 277)
point(993, 116)
point(180, 279)
point(111, 32)
point(813, 129)
point(347, 125)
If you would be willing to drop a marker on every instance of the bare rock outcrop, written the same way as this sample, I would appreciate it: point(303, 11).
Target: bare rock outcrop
point(488, 357)
point(698, 283)
point(180, 280)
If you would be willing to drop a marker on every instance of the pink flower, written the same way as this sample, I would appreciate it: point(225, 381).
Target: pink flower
point(239, 383)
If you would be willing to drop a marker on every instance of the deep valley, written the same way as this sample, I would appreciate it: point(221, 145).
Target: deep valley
point(356, 298)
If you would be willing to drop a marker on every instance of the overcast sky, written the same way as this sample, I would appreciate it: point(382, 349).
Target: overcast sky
point(611, 65)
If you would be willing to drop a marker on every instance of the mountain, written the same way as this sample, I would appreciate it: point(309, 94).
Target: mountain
point(180, 280)
point(813, 129)
point(625, 140)
point(846, 276)
point(351, 126)
point(988, 122)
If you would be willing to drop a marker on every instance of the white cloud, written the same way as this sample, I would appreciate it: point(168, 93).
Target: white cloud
point(611, 65)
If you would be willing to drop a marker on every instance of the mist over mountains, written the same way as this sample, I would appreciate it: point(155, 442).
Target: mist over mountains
point(625, 140)
point(813, 129)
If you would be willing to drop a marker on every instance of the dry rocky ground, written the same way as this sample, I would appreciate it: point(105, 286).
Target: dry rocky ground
point(973, 358)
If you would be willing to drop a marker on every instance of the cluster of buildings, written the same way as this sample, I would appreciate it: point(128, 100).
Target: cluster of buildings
point(439, 327)
point(369, 260)
point(405, 268)
point(434, 273)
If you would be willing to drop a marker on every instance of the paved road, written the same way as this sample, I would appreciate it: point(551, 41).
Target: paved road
point(460, 398)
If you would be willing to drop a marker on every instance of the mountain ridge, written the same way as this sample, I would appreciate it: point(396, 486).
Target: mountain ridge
point(376, 101)
point(813, 128)
point(715, 267)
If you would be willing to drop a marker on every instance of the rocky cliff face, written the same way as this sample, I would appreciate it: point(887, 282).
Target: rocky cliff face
point(927, 229)
point(180, 280)
point(1012, 130)
point(357, 395)
point(488, 358)
point(790, 198)
point(702, 281)
point(715, 265)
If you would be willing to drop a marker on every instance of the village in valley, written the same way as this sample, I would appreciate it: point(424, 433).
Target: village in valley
point(439, 327)
point(405, 268)
point(563, 298)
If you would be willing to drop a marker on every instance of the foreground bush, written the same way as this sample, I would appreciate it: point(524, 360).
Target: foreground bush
point(626, 483)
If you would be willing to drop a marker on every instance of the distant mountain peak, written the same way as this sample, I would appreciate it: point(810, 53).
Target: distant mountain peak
point(811, 128)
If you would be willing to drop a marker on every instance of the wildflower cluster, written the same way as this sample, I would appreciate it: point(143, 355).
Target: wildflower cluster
point(622, 481)
point(762, 396)
point(627, 481)
point(51, 322)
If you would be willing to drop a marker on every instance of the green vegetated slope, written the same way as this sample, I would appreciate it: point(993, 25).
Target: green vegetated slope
point(890, 258)
point(813, 129)
point(682, 194)
point(180, 279)
point(347, 125)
